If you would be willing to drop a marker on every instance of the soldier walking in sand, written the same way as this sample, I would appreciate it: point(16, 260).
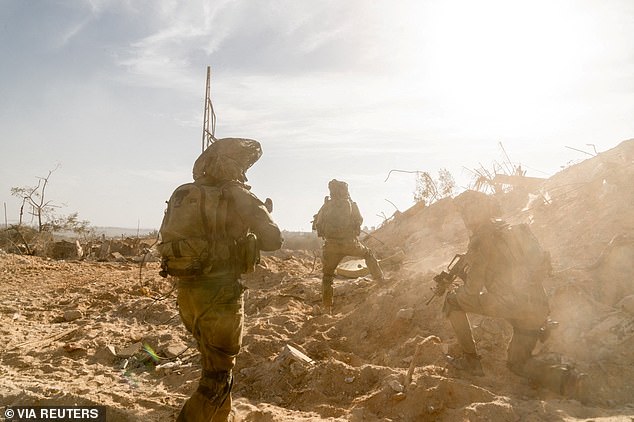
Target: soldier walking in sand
point(339, 223)
point(212, 233)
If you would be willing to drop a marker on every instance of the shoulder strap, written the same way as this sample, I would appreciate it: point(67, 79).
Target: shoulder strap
point(203, 209)
point(213, 225)
point(221, 215)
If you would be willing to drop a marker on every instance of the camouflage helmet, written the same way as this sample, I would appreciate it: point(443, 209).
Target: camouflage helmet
point(227, 159)
point(338, 189)
point(477, 205)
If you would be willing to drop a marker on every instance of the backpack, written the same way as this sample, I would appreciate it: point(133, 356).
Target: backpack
point(530, 263)
point(336, 219)
point(193, 231)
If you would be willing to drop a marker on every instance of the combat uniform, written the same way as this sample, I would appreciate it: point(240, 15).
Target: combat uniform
point(496, 284)
point(342, 241)
point(211, 305)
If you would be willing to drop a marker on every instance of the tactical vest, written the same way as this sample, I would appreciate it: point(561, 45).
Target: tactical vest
point(336, 221)
point(527, 261)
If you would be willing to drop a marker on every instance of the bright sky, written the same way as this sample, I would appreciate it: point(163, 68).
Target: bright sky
point(113, 90)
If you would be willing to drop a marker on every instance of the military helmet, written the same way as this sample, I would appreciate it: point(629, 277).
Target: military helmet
point(227, 159)
point(473, 203)
point(338, 189)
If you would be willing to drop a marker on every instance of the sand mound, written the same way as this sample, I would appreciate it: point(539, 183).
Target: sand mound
point(82, 332)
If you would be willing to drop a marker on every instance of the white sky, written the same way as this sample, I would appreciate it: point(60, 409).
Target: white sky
point(112, 90)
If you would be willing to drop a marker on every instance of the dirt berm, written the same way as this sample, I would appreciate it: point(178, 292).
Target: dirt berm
point(84, 332)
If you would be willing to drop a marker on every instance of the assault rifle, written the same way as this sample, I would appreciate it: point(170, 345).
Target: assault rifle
point(455, 269)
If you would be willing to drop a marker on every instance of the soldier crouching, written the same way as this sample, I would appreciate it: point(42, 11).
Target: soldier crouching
point(502, 271)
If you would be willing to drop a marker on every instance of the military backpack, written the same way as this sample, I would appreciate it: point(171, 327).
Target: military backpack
point(193, 232)
point(530, 263)
point(336, 219)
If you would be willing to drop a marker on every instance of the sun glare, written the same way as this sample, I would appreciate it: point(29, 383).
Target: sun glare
point(501, 59)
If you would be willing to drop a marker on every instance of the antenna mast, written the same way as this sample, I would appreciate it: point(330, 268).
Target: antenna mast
point(209, 115)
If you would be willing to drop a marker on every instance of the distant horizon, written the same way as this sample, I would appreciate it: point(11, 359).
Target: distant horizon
point(117, 230)
point(111, 95)
point(144, 230)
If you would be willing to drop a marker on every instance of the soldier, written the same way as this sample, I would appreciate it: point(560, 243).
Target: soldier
point(339, 223)
point(210, 302)
point(502, 271)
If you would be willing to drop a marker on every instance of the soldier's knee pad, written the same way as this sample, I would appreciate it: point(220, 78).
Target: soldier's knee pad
point(215, 386)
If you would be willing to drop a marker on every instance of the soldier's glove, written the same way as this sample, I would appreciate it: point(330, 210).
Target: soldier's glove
point(443, 281)
point(440, 289)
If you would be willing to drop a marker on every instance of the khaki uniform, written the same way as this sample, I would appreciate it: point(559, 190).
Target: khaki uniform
point(337, 249)
point(339, 244)
point(211, 308)
point(496, 286)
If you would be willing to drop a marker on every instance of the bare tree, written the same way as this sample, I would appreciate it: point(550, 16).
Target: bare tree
point(429, 190)
point(41, 209)
point(35, 198)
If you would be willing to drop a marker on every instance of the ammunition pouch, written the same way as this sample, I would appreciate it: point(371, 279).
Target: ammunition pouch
point(248, 253)
point(183, 258)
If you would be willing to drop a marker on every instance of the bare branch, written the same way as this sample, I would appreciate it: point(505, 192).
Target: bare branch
point(578, 150)
point(400, 171)
point(393, 204)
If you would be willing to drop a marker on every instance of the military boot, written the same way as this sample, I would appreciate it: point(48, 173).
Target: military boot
point(197, 408)
point(224, 413)
point(375, 268)
point(574, 385)
point(327, 297)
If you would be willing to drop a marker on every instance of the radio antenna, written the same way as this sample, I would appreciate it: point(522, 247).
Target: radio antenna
point(208, 136)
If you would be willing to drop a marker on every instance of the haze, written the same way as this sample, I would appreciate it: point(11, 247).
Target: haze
point(113, 92)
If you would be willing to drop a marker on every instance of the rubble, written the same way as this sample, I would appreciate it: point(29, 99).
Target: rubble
point(72, 315)
point(290, 353)
point(366, 360)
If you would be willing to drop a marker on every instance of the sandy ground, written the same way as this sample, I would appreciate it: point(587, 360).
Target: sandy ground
point(108, 333)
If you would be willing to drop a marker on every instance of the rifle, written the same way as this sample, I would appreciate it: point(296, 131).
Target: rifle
point(455, 269)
